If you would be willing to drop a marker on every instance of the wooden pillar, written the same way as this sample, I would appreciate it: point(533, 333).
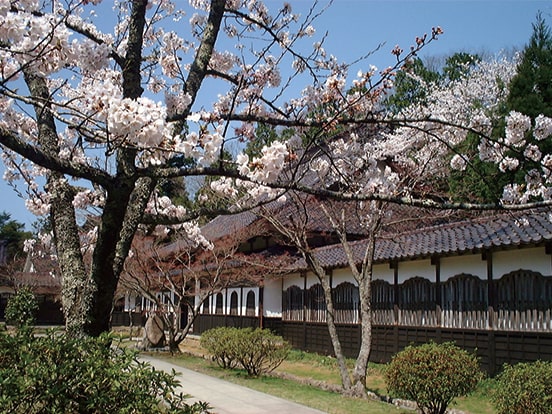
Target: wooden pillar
point(395, 266)
point(261, 306)
point(304, 275)
point(492, 305)
point(436, 261)
point(491, 288)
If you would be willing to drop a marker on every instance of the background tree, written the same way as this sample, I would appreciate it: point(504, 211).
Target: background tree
point(13, 235)
point(530, 89)
point(411, 85)
point(177, 278)
point(528, 93)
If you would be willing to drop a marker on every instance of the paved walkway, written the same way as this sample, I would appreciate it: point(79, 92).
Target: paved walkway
point(228, 398)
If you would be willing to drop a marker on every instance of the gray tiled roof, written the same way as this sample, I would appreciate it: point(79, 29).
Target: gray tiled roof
point(476, 235)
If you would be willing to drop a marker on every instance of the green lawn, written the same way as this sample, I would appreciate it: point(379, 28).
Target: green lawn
point(304, 367)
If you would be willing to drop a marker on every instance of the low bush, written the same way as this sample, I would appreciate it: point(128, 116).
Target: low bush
point(219, 343)
point(432, 375)
point(258, 351)
point(524, 388)
point(58, 374)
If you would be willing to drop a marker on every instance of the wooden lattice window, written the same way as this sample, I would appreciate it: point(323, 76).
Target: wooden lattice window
point(524, 290)
point(292, 303)
point(250, 304)
point(219, 304)
point(234, 303)
point(417, 293)
point(464, 292)
point(383, 295)
point(207, 306)
point(346, 302)
point(316, 303)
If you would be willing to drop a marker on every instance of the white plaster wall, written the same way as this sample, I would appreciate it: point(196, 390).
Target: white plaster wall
point(421, 268)
point(311, 280)
point(342, 275)
point(472, 264)
point(383, 272)
point(293, 279)
point(273, 298)
point(533, 259)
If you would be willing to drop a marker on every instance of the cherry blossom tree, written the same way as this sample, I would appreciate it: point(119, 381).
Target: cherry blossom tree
point(397, 163)
point(296, 225)
point(93, 119)
point(111, 111)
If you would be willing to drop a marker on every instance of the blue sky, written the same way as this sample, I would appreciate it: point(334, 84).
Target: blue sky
point(357, 27)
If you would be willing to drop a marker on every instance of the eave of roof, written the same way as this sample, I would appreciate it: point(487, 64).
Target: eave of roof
point(477, 235)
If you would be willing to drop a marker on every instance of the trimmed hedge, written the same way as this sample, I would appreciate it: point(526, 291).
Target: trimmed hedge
point(433, 375)
point(524, 388)
point(258, 351)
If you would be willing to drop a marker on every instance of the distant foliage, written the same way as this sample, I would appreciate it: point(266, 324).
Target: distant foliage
point(258, 351)
point(21, 308)
point(433, 375)
point(59, 374)
point(524, 388)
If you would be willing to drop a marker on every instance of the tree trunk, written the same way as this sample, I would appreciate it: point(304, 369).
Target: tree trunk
point(332, 330)
point(361, 363)
point(364, 279)
point(76, 286)
point(330, 321)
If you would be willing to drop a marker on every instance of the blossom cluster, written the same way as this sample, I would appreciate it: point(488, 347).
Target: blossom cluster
point(266, 168)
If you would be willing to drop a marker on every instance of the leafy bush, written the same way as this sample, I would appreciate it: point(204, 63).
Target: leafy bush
point(258, 351)
point(524, 388)
point(21, 308)
point(218, 341)
point(432, 375)
point(59, 374)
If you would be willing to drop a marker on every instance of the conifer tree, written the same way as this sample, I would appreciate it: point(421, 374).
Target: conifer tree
point(531, 89)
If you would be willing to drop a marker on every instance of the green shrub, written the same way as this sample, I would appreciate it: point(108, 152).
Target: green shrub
point(59, 374)
point(218, 342)
point(432, 375)
point(524, 388)
point(258, 351)
point(21, 308)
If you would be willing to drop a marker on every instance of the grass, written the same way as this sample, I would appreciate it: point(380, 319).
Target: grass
point(292, 381)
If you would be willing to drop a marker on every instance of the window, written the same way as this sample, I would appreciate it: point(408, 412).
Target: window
point(234, 303)
point(292, 306)
point(316, 304)
point(417, 293)
point(250, 304)
point(464, 293)
point(346, 303)
point(218, 305)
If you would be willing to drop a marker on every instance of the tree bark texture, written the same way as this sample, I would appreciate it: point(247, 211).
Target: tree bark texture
point(76, 286)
